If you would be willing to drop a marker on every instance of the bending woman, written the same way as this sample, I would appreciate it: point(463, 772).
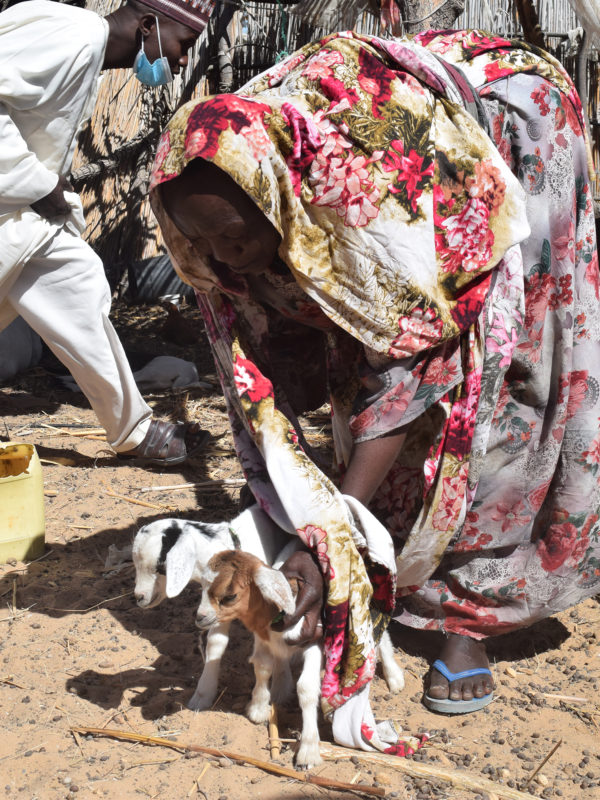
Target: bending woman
point(351, 230)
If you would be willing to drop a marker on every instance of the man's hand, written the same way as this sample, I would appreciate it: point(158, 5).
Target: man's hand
point(54, 204)
point(301, 568)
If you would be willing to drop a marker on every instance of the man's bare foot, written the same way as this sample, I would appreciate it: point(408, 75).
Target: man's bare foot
point(460, 656)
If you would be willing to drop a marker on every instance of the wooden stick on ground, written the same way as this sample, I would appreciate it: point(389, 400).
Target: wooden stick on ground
point(305, 777)
point(160, 506)
point(274, 741)
point(458, 778)
point(541, 764)
point(9, 682)
point(216, 482)
point(197, 780)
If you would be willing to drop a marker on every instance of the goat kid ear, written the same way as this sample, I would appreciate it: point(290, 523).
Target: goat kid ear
point(180, 563)
point(274, 587)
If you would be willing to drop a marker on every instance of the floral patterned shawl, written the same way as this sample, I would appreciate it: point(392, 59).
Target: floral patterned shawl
point(394, 209)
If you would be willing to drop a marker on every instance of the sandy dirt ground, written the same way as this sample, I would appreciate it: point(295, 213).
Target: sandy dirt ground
point(75, 651)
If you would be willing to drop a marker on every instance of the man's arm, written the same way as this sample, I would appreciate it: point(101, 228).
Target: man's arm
point(24, 180)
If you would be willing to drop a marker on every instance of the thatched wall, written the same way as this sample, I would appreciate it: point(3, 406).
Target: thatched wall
point(112, 161)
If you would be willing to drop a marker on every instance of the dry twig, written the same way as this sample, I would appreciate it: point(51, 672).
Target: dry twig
point(274, 741)
point(14, 616)
point(214, 705)
point(566, 697)
point(196, 783)
point(458, 778)
point(154, 761)
point(91, 608)
point(197, 485)
point(9, 682)
point(305, 777)
point(159, 506)
point(77, 742)
point(541, 764)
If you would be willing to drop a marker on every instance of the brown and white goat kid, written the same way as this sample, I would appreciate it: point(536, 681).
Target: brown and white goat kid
point(238, 585)
point(169, 553)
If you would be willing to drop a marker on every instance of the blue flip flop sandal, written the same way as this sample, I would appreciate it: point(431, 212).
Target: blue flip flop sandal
point(447, 706)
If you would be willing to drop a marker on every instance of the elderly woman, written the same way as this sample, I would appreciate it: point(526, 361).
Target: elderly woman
point(353, 231)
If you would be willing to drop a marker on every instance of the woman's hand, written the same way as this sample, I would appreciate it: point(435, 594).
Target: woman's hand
point(301, 568)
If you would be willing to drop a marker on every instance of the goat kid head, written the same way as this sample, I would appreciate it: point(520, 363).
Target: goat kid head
point(238, 585)
point(164, 557)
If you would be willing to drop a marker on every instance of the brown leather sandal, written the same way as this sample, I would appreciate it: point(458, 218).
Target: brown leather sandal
point(167, 444)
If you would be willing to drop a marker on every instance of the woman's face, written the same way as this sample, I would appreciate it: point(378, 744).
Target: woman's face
point(220, 220)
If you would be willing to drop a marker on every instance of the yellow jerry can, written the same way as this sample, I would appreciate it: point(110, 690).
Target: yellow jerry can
point(22, 525)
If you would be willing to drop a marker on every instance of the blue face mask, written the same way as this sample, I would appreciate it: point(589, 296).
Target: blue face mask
point(156, 74)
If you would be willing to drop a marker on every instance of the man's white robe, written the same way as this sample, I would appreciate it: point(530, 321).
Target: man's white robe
point(51, 55)
point(48, 86)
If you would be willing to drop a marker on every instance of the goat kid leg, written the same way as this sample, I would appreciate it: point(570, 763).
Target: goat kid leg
point(259, 708)
point(206, 690)
point(282, 683)
point(309, 692)
point(392, 671)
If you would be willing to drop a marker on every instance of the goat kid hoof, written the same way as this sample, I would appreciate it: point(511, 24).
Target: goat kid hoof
point(200, 703)
point(308, 757)
point(395, 682)
point(258, 714)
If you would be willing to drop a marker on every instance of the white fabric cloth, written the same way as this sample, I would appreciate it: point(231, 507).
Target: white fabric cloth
point(50, 60)
point(20, 349)
point(51, 55)
point(55, 293)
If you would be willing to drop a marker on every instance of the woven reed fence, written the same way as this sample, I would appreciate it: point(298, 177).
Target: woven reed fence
point(114, 155)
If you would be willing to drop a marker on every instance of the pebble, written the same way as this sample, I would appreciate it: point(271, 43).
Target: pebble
point(224, 762)
point(383, 779)
point(542, 779)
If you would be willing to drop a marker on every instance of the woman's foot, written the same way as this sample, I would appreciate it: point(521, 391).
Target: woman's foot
point(460, 680)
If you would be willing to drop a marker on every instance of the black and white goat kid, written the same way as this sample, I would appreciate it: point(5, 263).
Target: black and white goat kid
point(170, 553)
